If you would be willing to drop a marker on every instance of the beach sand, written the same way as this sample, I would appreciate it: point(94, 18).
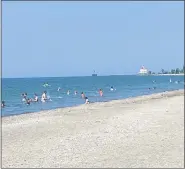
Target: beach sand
point(146, 131)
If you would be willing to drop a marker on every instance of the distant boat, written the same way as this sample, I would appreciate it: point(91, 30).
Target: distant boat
point(94, 74)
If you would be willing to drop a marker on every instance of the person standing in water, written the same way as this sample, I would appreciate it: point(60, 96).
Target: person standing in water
point(76, 92)
point(28, 101)
point(68, 92)
point(24, 95)
point(83, 95)
point(36, 99)
point(44, 96)
point(3, 104)
point(101, 92)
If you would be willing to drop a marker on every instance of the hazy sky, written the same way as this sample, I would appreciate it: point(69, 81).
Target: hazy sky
point(74, 38)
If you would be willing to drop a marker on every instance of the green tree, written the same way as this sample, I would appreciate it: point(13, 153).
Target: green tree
point(177, 71)
point(173, 71)
point(162, 71)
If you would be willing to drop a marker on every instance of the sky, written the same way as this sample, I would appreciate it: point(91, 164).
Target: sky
point(56, 39)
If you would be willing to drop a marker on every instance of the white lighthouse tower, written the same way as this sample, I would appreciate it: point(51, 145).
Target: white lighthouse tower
point(143, 71)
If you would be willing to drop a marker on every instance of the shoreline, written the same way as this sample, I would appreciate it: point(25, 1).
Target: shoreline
point(145, 132)
point(124, 101)
point(167, 74)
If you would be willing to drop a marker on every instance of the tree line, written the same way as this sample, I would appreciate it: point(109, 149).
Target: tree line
point(172, 71)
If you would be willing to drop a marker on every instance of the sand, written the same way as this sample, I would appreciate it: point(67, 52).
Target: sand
point(146, 131)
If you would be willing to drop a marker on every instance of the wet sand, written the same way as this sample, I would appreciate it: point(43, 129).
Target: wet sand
point(146, 131)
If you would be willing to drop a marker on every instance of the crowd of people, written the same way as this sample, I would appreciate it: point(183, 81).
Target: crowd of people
point(44, 97)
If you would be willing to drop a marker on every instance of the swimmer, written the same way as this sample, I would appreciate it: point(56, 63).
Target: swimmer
point(154, 81)
point(76, 92)
point(3, 104)
point(36, 99)
point(28, 101)
point(68, 92)
point(83, 95)
point(111, 88)
point(58, 89)
point(25, 94)
point(44, 96)
point(24, 97)
point(101, 92)
point(86, 100)
point(46, 85)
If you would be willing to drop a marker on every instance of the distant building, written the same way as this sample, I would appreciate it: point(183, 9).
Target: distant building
point(143, 71)
point(94, 74)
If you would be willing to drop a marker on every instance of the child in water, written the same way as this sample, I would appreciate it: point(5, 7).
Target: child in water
point(36, 99)
point(101, 92)
point(83, 95)
point(28, 101)
point(24, 95)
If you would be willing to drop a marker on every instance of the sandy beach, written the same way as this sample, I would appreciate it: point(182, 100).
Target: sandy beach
point(145, 131)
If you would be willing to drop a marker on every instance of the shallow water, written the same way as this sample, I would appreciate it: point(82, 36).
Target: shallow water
point(126, 86)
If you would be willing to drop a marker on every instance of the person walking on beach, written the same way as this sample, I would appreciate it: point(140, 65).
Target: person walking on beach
point(86, 100)
point(101, 92)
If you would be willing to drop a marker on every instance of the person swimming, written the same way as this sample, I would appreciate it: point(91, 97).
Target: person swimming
point(24, 95)
point(111, 88)
point(46, 85)
point(28, 101)
point(75, 92)
point(36, 99)
point(101, 92)
point(83, 95)
point(86, 100)
point(44, 96)
point(3, 104)
point(58, 89)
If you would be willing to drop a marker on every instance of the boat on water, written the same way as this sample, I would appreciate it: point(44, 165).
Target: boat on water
point(94, 74)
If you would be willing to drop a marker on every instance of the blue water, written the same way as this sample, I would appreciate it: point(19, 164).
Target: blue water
point(126, 86)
